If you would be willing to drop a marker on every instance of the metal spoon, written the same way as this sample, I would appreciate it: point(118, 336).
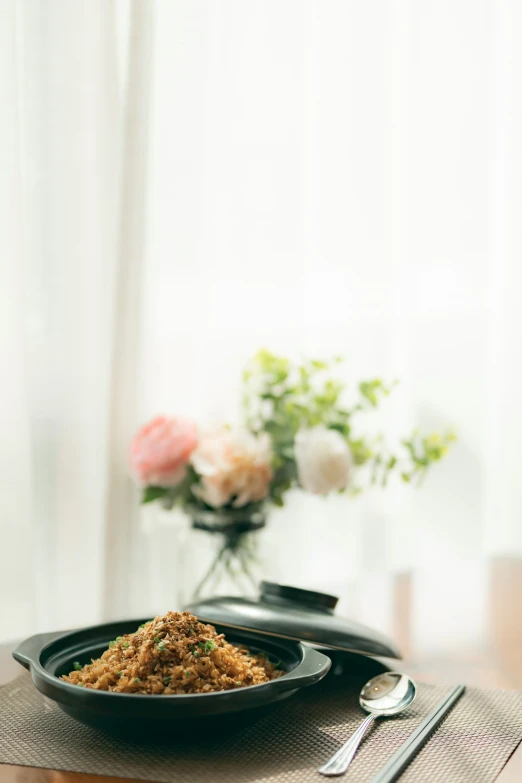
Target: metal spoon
point(384, 695)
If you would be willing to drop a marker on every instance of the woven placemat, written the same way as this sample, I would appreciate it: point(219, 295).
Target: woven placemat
point(286, 745)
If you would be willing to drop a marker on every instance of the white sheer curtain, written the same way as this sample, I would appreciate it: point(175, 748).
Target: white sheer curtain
point(345, 177)
point(323, 177)
point(64, 318)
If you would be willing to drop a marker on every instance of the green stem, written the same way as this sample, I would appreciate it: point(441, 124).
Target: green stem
point(213, 566)
point(245, 558)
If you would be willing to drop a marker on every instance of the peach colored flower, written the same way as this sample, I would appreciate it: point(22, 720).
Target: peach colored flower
point(161, 449)
point(235, 467)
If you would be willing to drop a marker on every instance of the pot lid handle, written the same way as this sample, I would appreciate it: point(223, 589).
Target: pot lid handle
point(276, 593)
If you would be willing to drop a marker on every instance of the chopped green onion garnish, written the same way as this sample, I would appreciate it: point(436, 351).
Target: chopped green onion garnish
point(136, 679)
point(238, 682)
point(187, 673)
point(207, 646)
point(142, 625)
point(157, 639)
point(77, 666)
point(161, 646)
point(111, 644)
point(166, 680)
point(120, 674)
point(125, 644)
point(119, 638)
point(79, 684)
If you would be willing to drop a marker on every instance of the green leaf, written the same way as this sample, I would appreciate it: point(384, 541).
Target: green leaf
point(355, 491)
point(343, 428)
point(369, 390)
point(150, 494)
point(361, 451)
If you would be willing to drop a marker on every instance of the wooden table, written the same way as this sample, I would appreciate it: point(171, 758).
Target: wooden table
point(488, 654)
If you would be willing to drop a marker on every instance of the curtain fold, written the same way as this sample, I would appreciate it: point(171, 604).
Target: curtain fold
point(67, 198)
point(17, 588)
point(122, 549)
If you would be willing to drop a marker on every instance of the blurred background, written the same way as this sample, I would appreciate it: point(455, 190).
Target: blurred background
point(187, 181)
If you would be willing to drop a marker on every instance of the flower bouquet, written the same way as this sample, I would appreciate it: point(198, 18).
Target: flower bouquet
point(301, 428)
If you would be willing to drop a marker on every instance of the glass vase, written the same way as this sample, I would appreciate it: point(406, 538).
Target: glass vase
point(226, 553)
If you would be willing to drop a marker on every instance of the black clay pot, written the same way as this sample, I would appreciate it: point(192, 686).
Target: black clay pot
point(48, 656)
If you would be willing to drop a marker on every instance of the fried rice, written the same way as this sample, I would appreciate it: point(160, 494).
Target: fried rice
point(173, 654)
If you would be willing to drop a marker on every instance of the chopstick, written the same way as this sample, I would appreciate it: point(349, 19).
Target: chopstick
point(393, 768)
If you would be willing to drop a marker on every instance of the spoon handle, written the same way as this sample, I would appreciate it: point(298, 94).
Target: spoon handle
point(340, 761)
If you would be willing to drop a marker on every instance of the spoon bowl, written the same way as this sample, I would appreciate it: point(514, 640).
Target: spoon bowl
point(387, 694)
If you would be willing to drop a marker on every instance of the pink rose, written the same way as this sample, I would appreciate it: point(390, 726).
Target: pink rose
point(161, 449)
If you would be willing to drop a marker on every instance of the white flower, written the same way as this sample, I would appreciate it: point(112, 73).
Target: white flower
point(234, 467)
point(324, 460)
